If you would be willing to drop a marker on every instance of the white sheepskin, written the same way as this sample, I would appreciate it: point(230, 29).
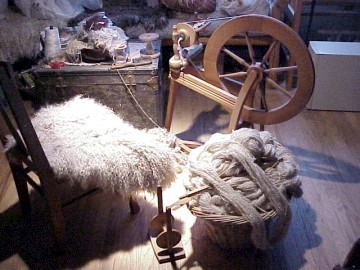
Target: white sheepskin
point(85, 142)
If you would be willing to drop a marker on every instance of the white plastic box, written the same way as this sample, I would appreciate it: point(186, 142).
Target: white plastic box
point(337, 76)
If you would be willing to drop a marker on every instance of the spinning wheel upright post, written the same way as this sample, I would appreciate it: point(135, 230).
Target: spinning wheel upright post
point(243, 92)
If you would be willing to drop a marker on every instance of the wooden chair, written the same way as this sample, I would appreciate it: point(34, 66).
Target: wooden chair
point(30, 157)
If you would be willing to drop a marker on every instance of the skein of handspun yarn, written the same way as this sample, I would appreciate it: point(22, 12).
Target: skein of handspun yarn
point(52, 42)
point(249, 173)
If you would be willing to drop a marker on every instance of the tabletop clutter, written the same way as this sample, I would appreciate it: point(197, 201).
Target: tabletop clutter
point(94, 41)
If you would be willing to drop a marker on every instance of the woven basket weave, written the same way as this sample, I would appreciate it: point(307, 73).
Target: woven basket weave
point(230, 232)
point(248, 188)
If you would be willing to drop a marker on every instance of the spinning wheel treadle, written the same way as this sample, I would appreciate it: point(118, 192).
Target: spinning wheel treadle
point(288, 102)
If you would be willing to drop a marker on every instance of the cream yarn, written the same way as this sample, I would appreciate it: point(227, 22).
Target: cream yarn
point(250, 173)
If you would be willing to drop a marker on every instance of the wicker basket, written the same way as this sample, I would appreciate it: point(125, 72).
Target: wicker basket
point(258, 214)
point(230, 232)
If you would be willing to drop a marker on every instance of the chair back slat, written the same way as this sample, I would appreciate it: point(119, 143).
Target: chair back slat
point(19, 141)
point(23, 122)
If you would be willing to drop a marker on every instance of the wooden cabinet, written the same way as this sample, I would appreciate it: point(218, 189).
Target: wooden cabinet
point(134, 93)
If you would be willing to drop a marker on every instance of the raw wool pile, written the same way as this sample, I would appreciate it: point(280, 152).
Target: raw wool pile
point(3, 9)
point(146, 18)
point(250, 173)
point(162, 23)
point(191, 6)
point(86, 143)
point(243, 7)
point(107, 39)
point(23, 22)
point(20, 36)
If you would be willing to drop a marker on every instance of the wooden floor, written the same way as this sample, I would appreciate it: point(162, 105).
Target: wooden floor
point(104, 235)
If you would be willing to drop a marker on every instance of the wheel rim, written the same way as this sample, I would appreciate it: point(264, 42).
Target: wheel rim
point(280, 33)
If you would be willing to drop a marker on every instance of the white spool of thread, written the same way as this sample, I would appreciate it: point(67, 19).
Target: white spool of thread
point(52, 42)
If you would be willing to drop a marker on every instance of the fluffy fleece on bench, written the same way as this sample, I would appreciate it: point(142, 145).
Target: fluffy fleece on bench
point(88, 144)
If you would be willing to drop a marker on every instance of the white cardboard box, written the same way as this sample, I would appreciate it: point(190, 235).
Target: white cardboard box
point(337, 76)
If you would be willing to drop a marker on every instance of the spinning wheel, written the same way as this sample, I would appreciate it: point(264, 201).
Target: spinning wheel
point(282, 35)
point(254, 93)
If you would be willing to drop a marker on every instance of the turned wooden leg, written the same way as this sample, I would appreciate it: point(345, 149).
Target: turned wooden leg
point(241, 100)
point(174, 86)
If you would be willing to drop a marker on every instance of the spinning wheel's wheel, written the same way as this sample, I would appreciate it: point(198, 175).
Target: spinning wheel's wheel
point(273, 105)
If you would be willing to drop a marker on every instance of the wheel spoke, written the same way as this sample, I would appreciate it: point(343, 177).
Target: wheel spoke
point(232, 75)
point(250, 48)
point(280, 69)
point(269, 51)
point(236, 58)
point(278, 87)
point(262, 87)
point(235, 82)
point(282, 53)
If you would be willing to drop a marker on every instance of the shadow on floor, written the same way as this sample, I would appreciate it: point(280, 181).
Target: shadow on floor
point(206, 124)
point(324, 167)
point(97, 226)
point(311, 164)
point(287, 254)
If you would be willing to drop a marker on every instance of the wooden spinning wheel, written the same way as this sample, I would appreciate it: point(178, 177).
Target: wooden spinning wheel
point(254, 93)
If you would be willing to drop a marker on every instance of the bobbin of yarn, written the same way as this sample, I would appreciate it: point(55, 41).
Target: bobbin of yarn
point(149, 51)
point(121, 54)
point(52, 42)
